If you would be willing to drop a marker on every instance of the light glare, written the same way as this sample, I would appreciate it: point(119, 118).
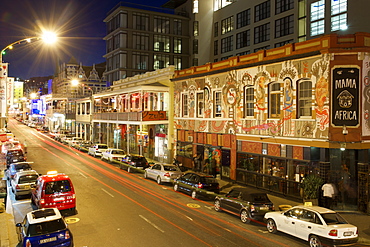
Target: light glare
point(49, 37)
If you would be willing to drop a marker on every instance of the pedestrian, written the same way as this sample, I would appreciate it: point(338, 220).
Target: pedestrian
point(329, 193)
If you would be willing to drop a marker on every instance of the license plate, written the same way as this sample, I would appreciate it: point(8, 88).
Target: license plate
point(59, 199)
point(48, 240)
point(264, 208)
point(348, 234)
point(27, 187)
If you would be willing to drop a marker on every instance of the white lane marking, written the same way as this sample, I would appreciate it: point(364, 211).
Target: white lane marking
point(209, 207)
point(189, 218)
point(83, 175)
point(107, 192)
point(263, 231)
point(156, 227)
point(22, 202)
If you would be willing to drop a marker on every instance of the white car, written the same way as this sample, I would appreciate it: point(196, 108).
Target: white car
point(97, 149)
point(22, 182)
point(74, 141)
point(317, 225)
point(163, 172)
point(113, 154)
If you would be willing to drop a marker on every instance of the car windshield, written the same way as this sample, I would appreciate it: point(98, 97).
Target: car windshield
point(142, 159)
point(46, 227)
point(57, 187)
point(19, 167)
point(27, 179)
point(170, 168)
point(118, 152)
point(103, 146)
point(15, 152)
point(333, 219)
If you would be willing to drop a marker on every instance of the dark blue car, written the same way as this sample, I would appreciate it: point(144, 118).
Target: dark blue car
point(44, 227)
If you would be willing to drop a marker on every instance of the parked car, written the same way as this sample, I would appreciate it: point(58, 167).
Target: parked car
point(317, 225)
point(54, 190)
point(197, 184)
point(163, 173)
point(22, 182)
point(97, 149)
point(44, 129)
point(134, 162)
point(248, 203)
point(74, 141)
point(10, 145)
point(44, 227)
point(15, 155)
point(113, 154)
point(17, 167)
point(83, 146)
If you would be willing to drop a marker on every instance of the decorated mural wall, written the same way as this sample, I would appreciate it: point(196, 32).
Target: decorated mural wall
point(240, 113)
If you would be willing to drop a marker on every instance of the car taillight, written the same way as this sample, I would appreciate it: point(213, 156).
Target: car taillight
point(200, 186)
point(42, 201)
point(333, 233)
point(167, 174)
point(17, 186)
point(28, 243)
point(272, 208)
point(67, 236)
point(252, 208)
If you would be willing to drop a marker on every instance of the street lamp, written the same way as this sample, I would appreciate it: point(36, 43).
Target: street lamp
point(47, 37)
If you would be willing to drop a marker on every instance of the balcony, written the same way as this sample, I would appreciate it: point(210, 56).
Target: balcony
point(131, 116)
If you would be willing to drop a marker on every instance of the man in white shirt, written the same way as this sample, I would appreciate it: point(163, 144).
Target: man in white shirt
point(329, 193)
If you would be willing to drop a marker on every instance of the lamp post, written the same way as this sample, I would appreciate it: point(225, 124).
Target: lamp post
point(47, 37)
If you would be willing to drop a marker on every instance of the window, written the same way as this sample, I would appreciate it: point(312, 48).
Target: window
point(227, 25)
point(262, 33)
point(177, 60)
point(283, 5)
point(177, 27)
point(274, 99)
point(317, 17)
point(243, 53)
point(284, 26)
point(140, 41)
point(177, 45)
point(140, 61)
point(195, 46)
point(140, 21)
point(200, 103)
point(262, 48)
point(161, 61)
point(262, 11)
point(185, 105)
point(304, 98)
point(227, 44)
point(243, 18)
point(161, 24)
point(217, 104)
point(195, 61)
point(195, 6)
point(216, 29)
point(243, 39)
point(215, 48)
point(280, 44)
point(161, 43)
point(339, 15)
point(195, 28)
point(249, 102)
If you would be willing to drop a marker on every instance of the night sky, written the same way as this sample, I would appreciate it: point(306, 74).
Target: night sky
point(80, 28)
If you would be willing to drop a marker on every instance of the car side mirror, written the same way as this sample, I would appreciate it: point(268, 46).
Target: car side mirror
point(18, 225)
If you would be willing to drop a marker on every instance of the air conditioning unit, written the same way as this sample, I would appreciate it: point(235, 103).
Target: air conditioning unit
point(190, 139)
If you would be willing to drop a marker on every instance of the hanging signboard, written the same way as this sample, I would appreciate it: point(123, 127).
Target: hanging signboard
point(345, 96)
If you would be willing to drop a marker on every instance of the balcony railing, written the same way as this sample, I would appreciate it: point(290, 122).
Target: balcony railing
point(131, 116)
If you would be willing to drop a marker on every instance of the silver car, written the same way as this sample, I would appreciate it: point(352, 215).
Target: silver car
point(22, 182)
point(163, 173)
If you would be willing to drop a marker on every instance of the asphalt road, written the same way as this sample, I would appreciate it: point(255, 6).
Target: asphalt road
point(116, 208)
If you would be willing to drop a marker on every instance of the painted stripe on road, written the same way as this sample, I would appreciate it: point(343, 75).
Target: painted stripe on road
point(155, 226)
point(107, 192)
point(83, 175)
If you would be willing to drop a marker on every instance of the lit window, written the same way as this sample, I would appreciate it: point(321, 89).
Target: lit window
point(195, 6)
point(217, 104)
point(200, 102)
point(339, 22)
point(317, 10)
point(338, 6)
point(185, 105)
point(317, 27)
point(249, 102)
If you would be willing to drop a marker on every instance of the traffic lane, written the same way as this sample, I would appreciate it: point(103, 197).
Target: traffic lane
point(181, 225)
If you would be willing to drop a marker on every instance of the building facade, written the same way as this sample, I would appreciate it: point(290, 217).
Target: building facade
point(271, 118)
point(142, 39)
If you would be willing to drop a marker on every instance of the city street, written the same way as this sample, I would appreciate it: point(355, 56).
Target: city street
point(117, 208)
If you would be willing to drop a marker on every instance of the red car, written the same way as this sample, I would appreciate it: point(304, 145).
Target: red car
point(54, 190)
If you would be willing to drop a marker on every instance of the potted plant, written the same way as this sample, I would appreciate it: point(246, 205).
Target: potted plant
point(311, 185)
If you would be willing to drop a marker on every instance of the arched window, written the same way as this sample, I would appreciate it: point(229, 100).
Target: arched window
point(274, 99)
point(304, 97)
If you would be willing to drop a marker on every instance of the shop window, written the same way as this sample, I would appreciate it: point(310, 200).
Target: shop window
point(305, 98)
point(217, 104)
point(274, 99)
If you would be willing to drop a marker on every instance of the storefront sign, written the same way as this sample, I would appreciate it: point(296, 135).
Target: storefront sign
point(154, 115)
point(345, 96)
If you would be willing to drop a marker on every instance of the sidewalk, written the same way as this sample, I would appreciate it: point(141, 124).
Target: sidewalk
point(361, 220)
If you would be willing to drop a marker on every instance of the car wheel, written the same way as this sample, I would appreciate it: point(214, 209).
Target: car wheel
point(176, 187)
point(271, 226)
point(145, 175)
point(159, 180)
point(218, 206)
point(194, 194)
point(314, 241)
point(244, 216)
